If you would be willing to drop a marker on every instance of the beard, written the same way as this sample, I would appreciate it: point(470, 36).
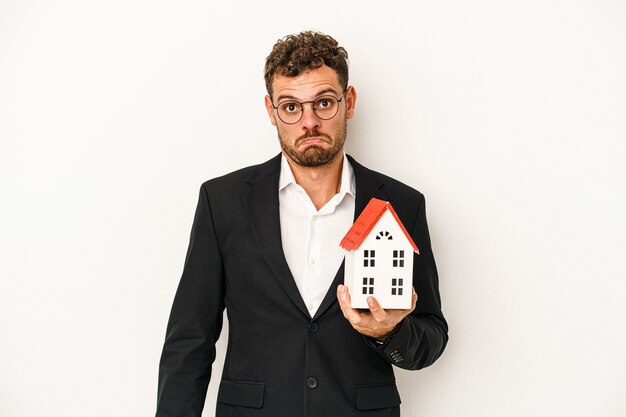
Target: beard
point(314, 155)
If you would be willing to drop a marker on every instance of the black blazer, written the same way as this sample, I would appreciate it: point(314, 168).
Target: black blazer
point(280, 361)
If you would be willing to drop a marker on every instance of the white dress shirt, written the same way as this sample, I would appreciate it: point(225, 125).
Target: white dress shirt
point(310, 237)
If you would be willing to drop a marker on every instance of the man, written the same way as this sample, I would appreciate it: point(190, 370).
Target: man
point(265, 246)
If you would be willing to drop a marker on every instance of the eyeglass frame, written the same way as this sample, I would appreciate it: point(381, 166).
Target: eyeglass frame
point(302, 103)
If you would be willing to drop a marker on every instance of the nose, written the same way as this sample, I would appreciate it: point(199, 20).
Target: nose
point(309, 118)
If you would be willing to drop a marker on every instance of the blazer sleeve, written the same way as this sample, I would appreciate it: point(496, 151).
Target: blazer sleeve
point(422, 336)
point(195, 322)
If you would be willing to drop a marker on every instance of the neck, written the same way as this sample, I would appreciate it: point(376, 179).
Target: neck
point(320, 183)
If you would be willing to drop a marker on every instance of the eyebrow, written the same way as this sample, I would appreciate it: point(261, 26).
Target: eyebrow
point(319, 93)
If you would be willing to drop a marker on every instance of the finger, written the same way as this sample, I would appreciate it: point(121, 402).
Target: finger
point(377, 311)
point(343, 295)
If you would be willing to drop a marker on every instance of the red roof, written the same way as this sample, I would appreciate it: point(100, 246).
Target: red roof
point(366, 221)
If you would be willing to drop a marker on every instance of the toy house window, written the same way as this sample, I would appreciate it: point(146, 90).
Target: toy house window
point(368, 258)
point(398, 258)
point(368, 285)
point(384, 235)
point(396, 286)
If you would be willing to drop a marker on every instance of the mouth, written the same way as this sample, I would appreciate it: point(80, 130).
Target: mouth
point(312, 140)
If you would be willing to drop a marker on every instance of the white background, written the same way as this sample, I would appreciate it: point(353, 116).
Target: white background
point(508, 115)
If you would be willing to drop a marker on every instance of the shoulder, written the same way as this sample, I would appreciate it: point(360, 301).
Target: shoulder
point(394, 188)
point(238, 181)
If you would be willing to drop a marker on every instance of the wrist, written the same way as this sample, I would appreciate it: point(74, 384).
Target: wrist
point(384, 338)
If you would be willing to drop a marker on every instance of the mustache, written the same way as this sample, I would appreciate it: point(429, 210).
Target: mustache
point(312, 134)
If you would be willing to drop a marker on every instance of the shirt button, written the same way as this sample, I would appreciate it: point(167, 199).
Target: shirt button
point(312, 261)
point(313, 327)
point(311, 382)
point(310, 307)
point(314, 218)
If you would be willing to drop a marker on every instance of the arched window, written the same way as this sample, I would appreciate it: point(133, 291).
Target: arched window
point(384, 235)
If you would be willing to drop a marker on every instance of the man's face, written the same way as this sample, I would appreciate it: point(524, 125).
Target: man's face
point(312, 141)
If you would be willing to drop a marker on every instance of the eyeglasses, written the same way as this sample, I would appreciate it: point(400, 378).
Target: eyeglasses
point(324, 107)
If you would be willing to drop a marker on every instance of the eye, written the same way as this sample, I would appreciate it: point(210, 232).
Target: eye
point(290, 107)
point(325, 103)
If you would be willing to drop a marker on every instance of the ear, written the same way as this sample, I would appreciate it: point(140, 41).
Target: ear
point(270, 109)
point(350, 101)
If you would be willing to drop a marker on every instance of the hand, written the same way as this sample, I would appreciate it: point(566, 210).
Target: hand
point(376, 323)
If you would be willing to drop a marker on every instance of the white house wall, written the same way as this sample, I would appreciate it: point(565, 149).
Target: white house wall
point(383, 271)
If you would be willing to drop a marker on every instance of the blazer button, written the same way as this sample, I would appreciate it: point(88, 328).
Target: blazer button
point(311, 382)
point(313, 327)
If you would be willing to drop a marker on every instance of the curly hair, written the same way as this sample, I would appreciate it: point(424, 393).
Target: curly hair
point(304, 51)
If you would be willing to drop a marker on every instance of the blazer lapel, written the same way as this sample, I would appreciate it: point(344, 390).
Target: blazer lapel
point(263, 210)
point(368, 185)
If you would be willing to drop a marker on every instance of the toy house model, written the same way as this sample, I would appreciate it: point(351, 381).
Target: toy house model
point(379, 261)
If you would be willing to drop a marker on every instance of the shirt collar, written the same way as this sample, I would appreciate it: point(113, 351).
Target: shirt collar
point(348, 184)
